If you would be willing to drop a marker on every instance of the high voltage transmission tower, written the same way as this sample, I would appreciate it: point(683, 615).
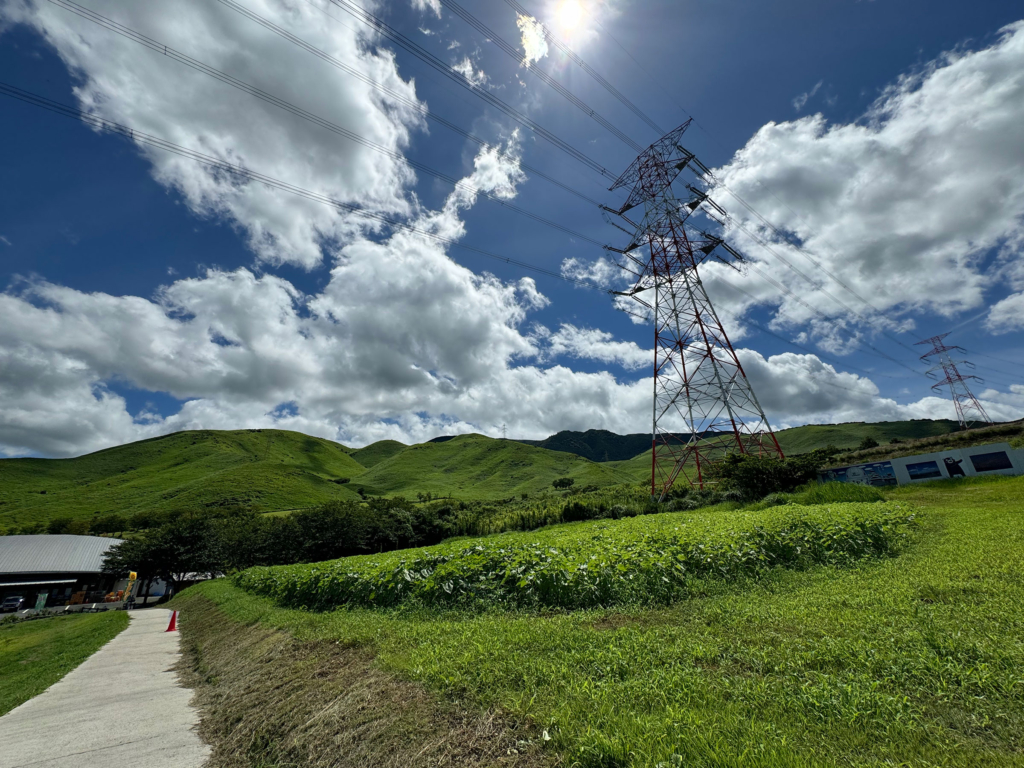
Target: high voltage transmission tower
point(968, 410)
point(704, 405)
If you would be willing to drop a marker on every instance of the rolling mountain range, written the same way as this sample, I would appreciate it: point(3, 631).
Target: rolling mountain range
point(276, 470)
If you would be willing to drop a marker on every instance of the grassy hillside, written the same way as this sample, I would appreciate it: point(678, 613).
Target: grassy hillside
point(601, 445)
point(596, 444)
point(375, 453)
point(267, 469)
point(474, 466)
point(906, 660)
point(850, 434)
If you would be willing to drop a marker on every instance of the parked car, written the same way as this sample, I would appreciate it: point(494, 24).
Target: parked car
point(12, 604)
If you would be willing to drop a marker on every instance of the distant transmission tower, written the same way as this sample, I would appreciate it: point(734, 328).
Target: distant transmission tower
point(968, 410)
point(704, 407)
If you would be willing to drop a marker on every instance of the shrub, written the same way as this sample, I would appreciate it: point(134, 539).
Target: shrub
point(757, 476)
point(867, 443)
point(563, 482)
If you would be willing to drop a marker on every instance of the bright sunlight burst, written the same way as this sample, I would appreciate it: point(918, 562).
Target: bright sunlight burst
point(569, 15)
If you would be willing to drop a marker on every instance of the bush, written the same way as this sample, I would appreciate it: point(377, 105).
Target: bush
point(867, 443)
point(575, 511)
point(563, 482)
point(757, 476)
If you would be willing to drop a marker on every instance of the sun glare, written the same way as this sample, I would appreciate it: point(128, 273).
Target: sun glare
point(569, 15)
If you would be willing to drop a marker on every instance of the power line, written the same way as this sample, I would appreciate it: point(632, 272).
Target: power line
point(244, 173)
point(199, 66)
point(540, 74)
point(443, 68)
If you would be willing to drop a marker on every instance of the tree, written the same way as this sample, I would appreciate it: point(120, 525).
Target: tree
point(866, 443)
point(563, 482)
point(187, 545)
point(757, 476)
point(112, 523)
point(59, 525)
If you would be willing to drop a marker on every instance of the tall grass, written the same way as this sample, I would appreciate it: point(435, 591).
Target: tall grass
point(652, 559)
point(834, 493)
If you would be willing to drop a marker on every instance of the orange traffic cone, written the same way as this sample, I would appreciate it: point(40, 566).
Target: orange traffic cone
point(173, 625)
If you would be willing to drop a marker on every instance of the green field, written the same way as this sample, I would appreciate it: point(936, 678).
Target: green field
point(478, 467)
point(266, 469)
point(909, 659)
point(36, 654)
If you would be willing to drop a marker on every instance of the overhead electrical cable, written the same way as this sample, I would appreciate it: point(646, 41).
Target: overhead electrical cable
point(550, 37)
point(199, 66)
point(537, 72)
point(398, 97)
point(242, 172)
point(437, 64)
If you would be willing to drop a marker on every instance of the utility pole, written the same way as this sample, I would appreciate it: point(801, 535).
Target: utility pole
point(704, 406)
point(968, 409)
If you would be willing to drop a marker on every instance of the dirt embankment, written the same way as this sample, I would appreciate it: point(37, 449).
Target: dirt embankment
point(267, 699)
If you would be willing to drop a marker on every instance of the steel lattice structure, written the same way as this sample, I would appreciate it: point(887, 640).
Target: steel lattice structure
point(704, 405)
point(968, 410)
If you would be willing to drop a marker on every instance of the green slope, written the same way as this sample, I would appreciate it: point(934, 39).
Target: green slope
point(595, 444)
point(850, 434)
point(478, 467)
point(268, 469)
point(813, 436)
point(375, 453)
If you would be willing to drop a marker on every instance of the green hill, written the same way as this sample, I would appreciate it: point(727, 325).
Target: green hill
point(813, 436)
point(850, 434)
point(277, 470)
point(268, 469)
point(595, 444)
point(474, 466)
point(375, 453)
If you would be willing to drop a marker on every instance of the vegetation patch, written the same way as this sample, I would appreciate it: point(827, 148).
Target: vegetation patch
point(651, 559)
point(912, 660)
point(268, 699)
point(36, 654)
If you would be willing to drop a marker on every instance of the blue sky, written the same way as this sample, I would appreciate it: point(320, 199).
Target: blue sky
point(145, 293)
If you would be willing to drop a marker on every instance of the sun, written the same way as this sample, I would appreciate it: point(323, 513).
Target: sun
point(569, 15)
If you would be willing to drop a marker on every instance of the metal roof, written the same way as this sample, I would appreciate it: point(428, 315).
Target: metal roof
point(61, 553)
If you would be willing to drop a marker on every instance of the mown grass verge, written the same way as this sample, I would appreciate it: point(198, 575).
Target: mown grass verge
point(268, 699)
point(650, 559)
point(36, 654)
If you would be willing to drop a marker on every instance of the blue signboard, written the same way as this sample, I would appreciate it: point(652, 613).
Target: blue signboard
point(924, 470)
point(877, 474)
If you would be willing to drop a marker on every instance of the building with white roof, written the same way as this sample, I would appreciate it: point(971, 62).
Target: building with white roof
point(60, 566)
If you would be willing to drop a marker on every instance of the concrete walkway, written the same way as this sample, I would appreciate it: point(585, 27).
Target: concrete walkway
point(122, 708)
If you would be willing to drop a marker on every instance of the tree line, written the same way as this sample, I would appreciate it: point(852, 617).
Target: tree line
point(209, 543)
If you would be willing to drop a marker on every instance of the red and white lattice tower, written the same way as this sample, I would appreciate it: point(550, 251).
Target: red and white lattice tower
point(968, 410)
point(704, 407)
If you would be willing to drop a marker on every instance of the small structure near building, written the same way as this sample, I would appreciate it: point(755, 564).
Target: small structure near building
point(55, 570)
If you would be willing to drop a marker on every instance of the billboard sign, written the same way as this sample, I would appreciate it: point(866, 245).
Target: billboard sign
point(996, 458)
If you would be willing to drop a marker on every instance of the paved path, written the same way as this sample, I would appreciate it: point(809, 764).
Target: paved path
point(122, 708)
